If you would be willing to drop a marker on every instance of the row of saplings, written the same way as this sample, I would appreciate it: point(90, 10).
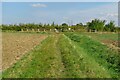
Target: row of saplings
point(95, 25)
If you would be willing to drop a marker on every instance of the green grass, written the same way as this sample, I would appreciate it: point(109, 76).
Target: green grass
point(44, 61)
point(101, 53)
point(78, 64)
point(67, 56)
point(103, 36)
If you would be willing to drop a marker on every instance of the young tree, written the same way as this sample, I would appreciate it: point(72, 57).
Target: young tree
point(96, 24)
point(110, 26)
point(64, 26)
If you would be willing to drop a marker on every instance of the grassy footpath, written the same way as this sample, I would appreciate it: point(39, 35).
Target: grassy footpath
point(100, 53)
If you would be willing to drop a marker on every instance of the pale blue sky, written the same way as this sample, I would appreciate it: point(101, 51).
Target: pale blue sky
point(59, 0)
point(59, 12)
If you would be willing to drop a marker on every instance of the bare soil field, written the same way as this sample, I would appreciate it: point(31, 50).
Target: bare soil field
point(15, 45)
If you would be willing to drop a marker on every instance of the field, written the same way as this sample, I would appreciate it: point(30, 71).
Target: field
point(60, 55)
point(110, 39)
point(17, 44)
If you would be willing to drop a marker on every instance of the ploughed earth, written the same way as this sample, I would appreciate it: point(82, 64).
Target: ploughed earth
point(112, 44)
point(15, 45)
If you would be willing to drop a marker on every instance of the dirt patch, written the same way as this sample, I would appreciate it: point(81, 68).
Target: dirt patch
point(112, 44)
point(115, 43)
point(15, 45)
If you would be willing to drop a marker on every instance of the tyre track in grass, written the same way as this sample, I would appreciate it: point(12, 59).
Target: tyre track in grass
point(56, 67)
point(71, 67)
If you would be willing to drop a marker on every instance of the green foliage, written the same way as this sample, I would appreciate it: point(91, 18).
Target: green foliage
point(74, 37)
point(96, 25)
point(110, 26)
point(65, 25)
point(77, 63)
point(103, 55)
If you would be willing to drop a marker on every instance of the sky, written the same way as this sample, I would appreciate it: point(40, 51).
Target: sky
point(58, 12)
point(60, 0)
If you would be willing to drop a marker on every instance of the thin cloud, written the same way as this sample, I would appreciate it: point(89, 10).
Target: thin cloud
point(109, 14)
point(112, 15)
point(39, 5)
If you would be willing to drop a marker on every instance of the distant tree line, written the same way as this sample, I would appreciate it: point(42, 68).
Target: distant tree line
point(95, 25)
